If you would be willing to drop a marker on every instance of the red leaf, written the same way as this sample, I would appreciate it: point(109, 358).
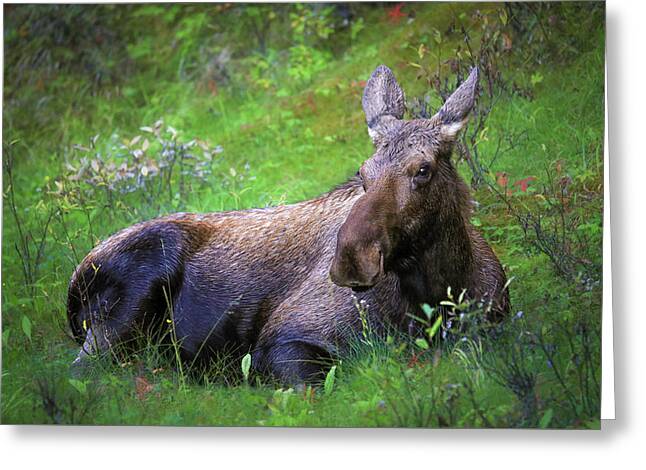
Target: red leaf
point(142, 387)
point(565, 181)
point(395, 14)
point(414, 360)
point(502, 179)
point(524, 183)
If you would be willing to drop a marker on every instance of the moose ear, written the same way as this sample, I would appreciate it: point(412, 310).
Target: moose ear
point(452, 116)
point(383, 103)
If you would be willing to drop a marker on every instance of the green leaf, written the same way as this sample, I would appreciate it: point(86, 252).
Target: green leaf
point(503, 16)
point(329, 381)
point(428, 310)
point(80, 386)
point(26, 326)
point(421, 51)
point(422, 343)
point(5, 336)
point(437, 36)
point(545, 420)
point(436, 326)
point(246, 366)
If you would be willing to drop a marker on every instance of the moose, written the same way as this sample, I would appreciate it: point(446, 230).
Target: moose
point(283, 282)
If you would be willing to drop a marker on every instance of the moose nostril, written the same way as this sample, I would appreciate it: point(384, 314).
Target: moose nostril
point(359, 260)
point(359, 288)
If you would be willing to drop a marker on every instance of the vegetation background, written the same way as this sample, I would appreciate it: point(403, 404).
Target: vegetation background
point(118, 113)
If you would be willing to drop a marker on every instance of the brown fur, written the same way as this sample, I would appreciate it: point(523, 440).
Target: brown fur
point(259, 279)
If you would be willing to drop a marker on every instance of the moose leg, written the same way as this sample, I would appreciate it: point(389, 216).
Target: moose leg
point(125, 286)
point(293, 362)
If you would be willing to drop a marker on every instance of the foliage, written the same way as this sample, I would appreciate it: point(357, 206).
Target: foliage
point(49, 40)
point(260, 106)
point(551, 220)
point(32, 234)
point(144, 164)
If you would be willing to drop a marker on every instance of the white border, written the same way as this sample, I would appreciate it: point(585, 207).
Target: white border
point(607, 339)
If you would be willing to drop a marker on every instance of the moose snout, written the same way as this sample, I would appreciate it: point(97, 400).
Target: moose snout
point(357, 267)
point(362, 244)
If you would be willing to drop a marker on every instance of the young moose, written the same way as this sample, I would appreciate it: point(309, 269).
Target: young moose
point(280, 282)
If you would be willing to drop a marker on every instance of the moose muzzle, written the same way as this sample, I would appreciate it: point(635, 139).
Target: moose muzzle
point(361, 248)
point(357, 267)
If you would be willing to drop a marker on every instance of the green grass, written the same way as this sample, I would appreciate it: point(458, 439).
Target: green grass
point(296, 147)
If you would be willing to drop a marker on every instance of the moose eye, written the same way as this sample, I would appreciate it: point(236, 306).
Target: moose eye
point(423, 172)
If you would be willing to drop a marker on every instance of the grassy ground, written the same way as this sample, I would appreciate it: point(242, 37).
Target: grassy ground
point(287, 143)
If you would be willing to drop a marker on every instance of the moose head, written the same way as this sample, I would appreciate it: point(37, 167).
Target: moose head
point(411, 188)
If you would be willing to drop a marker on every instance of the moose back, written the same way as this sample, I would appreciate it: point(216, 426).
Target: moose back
point(283, 282)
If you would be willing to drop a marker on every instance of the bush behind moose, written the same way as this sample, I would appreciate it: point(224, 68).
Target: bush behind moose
point(262, 140)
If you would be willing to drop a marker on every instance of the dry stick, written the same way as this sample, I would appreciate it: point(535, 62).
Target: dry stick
point(579, 372)
point(41, 245)
point(550, 358)
point(582, 374)
point(589, 355)
point(589, 372)
point(525, 221)
point(25, 257)
point(170, 174)
point(538, 19)
point(77, 259)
